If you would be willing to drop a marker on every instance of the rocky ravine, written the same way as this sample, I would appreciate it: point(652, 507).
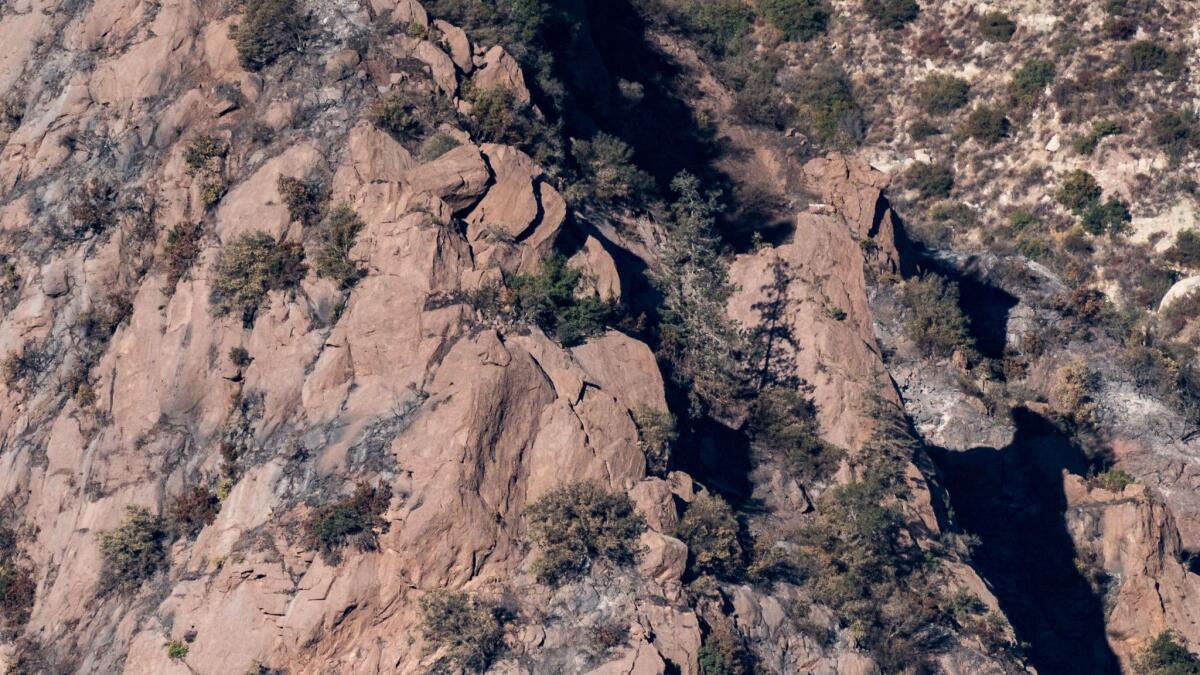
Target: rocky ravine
point(397, 383)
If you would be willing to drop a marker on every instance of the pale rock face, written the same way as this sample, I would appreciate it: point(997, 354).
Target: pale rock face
point(459, 45)
point(497, 68)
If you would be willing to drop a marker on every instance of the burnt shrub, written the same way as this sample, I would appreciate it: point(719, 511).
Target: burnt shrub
point(891, 14)
point(268, 30)
point(987, 124)
point(579, 523)
point(356, 520)
point(996, 27)
point(934, 321)
point(191, 511)
point(181, 250)
point(940, 94)
point(132, 552)
point(249, 268)
point(799, 20)
point(469, 631)
point(25, 367)
point(1186, 249)
point(929, 180)
point(333, 239)
point(92, 209)
point(710, 530)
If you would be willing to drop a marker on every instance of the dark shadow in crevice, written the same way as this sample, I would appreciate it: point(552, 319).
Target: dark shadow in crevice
point(1012, 499)
point(719, 458)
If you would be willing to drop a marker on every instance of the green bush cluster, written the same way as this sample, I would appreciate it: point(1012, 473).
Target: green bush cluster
point(468, 630)
point(1086, 144)
point(177, 650)
point(1176, 131)
point(940, 94)
point(609, 173)
point(710, 530)
point(333, 239)
point(579, 523)
point(1077, 191)
point(1080, 193)
point(132, 552)
point(303, 198)
point(830, 108)
point(1110, 216)
point(437, 145)
point(356, 520)
point(934, 321)
point(929, 180)
point(783, 424)
point(204, 154)
point(891, 14)
point(551, 301)
point(249, 268)
point(1147, 55)
point(799, 20)
point(987, 124)
point(718, 25)
point(268, 30)
point(1030, 80)
point(996, 27)
point(1167, 654)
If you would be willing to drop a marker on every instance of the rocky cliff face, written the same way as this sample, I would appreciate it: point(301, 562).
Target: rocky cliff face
point(143, 149)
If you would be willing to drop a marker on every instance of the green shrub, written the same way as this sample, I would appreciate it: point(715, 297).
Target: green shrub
point(181, 250)
point(550, 301)
point(1145, 56)
point(302, 198)
point(397, 115)
point(579, 523)
point(92, 208)
point(1087, 143)
point(1031, 79)
point(987, 124)
point(829, 106)
point(935, 321)
point(249, 268)
point(1186, 249)
point(719, 25)
point(800, 20)
point(1078, 191)
point(204, 154)
point(498, 117)
point(191, 511)
point(1114, 480)
point(470, 631)
point(437, 145)
point(996, 27)
point(356, 520)
point(783, 423)
point(268, 30)
point(1111, 217)
point(710, 531)
point(132, 552)
point(1176, 131)
point(177, 650)
point(723, 653)
point(333, 240)
point(608, 169)
point(656, 435)
point(1167, 654)
point(891, 14)
point(929, 180)
point(940, 94)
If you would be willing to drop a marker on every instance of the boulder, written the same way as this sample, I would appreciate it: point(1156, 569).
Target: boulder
point(600, 270)
point(441, 66)
point(458, 43)
point(500, 69)
point(459, 177)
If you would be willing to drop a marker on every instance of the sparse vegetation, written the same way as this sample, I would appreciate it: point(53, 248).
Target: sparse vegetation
point(1030, 80)
point(935, 323)
point(92, 209)
point(437, 145)
point(204, 154)
point(356, 520)
point(468, 630)
point(783, 424)
point(268, 30)
point(249, 268)
point(191, 511)
point(132, 552)
point(1176, 131)
point(1186, 249)
point(940, 94)
point(710, 530)
point(1086, 144)
point(303, 198)
point(996, 27)
point(333, 239)
point(17, 586)
point(25, 367)
point(1113, 480)
point(177, 650)
point(579, 523)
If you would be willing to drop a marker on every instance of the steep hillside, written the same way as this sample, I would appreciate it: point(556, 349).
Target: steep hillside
point(557, 337)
